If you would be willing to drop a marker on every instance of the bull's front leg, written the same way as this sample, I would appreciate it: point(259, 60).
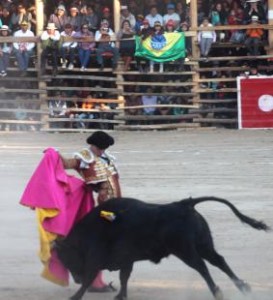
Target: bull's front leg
point(124, 275)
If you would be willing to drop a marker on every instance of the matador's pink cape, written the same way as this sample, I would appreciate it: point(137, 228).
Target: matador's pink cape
point(60, 200)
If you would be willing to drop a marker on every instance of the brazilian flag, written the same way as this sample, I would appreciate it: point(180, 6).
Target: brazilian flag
point(169, 46)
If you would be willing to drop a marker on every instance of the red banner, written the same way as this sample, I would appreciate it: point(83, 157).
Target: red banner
point(255, 102)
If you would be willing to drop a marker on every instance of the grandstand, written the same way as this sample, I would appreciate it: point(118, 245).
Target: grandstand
point(202, 92)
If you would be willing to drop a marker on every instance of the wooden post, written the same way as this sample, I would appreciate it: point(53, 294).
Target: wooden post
point(116, 15)
point(42, 84)
point(270, 31)
point(195, 48)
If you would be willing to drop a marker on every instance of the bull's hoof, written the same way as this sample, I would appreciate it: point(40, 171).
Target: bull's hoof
point(243, 286)
point(218, 295)
point(120, 297)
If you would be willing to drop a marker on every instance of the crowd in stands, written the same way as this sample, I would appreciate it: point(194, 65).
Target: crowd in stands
point(90, 25)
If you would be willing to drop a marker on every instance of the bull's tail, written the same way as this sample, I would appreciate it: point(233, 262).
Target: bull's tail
point(245, 219)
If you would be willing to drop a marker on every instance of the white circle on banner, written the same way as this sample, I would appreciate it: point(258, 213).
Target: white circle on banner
point(265, 103)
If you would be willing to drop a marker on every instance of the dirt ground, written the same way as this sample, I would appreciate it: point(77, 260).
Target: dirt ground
point(157, 167)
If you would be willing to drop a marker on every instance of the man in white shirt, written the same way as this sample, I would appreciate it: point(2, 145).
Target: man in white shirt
point(104, 38)
point(154, 16)
point(171, 15)
point(23, 50)
point(126, 15)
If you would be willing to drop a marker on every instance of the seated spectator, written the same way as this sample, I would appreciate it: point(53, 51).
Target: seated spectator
point(91, 19)
point(254, 8)
point(171, 15)
point(144, 32)
point(107, 15)
point(254, 37)
point(149, 101)
point(50, 41)
point(67, 49)
point(5, 51)
point(182, 12)
point(57, 109)
point(86, 115)
point(236, 36)
point(74, 18)
point(154, 16)
point(59, 18)
point(126, 15)
point(139, 22)
point(188, 46)
point(19, 16)
point(126, 47)
point(157, 33)
point(103, 37)
point(206, 38)
point(5, 19)
point(23, 50)
point(86, 47)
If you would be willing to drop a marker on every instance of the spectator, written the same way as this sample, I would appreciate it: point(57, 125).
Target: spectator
point(126, 15)
point(50, 39)
point(74, 18)
point(86, 115)
point(91, 18)
point(182, 12)
point(139, 22)
point(188, 47)
point(218, 16)
point(57, 109)
point(206, 38)
point(254, 8)
point(127, 47)
point(59, 18)
point(23, 50)
point(144, 32)
point(5, 51)
point(19, 16)
point(67, 49)
point(106, 15)
point(154, 16)
point(103, 36)
point(6, 17)
point(254, 37)
point(149, 101)
point(86, 47)
point(171, 15)
point(157, 34)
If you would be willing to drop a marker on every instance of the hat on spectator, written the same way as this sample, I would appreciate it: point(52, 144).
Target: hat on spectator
point(51, 26)
point(24, 22)
point(100, 139)
point(255, 18)
point(249, 1)
point(170, 6)
point(61, 7)
point(73, 7)
point(104, 21)
point(5, 27)
point(170, 23)
point(123, 7)
point(106, 9)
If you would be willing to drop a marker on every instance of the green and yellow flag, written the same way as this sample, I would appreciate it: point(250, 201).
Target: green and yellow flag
point(161, 48)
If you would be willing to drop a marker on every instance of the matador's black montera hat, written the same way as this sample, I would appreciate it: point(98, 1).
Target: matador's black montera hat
point(100, 139)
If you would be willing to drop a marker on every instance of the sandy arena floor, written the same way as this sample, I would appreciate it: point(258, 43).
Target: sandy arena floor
point(156, 167)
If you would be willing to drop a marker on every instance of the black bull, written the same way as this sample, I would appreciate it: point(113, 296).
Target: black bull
point(143, 231)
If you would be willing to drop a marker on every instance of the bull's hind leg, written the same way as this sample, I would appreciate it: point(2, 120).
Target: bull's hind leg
point(124, 275)
point(217, 260)
point(192, 259)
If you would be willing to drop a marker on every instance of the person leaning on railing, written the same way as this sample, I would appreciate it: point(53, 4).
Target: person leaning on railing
point(5, 51)
point(50, 40)
point(23, 50)
point(67, 48)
